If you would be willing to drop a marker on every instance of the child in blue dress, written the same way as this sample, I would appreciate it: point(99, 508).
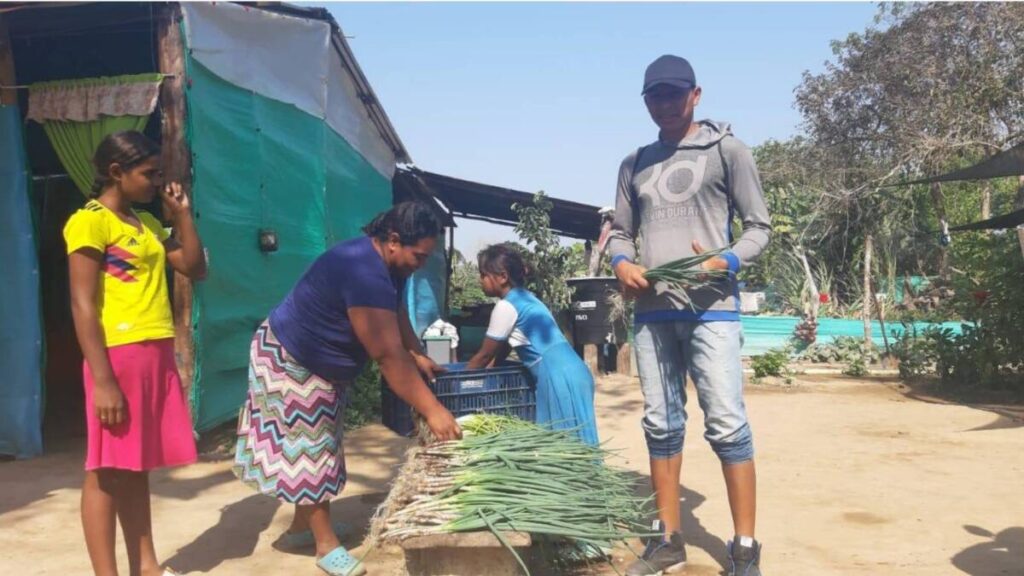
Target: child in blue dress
point(520, 321)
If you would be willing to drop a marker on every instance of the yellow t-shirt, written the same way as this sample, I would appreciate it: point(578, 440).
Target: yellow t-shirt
point(132, 297)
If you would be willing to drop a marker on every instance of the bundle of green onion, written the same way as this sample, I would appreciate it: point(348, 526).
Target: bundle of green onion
point(508, 475)
point(687, 274)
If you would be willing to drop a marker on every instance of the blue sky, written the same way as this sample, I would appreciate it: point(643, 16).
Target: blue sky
point(539, 96)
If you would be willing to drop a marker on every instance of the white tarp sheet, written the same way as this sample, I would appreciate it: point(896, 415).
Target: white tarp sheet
point(347, 116)
point(288, 59)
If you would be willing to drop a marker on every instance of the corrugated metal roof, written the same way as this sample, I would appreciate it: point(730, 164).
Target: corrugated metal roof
point(478, 201)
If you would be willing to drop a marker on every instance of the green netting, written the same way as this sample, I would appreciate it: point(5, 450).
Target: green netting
point(355, 191)
point(259, 163)
point(897, 288)
point(762, 333)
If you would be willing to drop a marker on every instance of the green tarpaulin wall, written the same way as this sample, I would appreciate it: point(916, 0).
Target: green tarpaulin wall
point(21, 342)
point(260, 163)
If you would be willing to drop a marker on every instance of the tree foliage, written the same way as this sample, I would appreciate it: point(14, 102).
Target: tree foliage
point(550, 264)
point(465, 283)
point(929, 88)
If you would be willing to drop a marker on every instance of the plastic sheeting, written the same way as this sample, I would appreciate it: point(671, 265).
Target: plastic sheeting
point(287, 59)
point(1011, 220)
point(1006, 163)
point(762, 333)
point(425, 290)
point(261, 164)
point(21, 345)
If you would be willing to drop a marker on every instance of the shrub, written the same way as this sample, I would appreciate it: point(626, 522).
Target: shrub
point(771, 363)
point(917, 352)
point(856, 367)
point(842, 350)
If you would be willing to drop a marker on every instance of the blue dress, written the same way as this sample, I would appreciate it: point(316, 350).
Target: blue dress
point(565, 387)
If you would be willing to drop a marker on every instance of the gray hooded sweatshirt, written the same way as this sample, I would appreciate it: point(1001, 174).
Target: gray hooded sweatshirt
point(669, 196)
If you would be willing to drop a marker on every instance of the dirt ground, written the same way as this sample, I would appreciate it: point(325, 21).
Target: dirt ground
point(856, 477)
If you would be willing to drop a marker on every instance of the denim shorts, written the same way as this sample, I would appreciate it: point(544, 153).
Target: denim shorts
point(710, 353)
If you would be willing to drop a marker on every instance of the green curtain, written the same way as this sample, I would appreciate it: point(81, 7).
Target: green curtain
point(75, 142)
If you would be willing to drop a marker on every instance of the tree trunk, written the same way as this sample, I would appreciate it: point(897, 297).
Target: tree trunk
point(868, 293)
point(177, 167)
point(880, 311)
point(908, 294)
point(1019, 204)
point(940, 210)
point(812, 310)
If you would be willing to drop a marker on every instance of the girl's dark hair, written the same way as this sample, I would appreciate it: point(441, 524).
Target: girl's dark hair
point(127, 149)
point(503, 259)
point(412, 221)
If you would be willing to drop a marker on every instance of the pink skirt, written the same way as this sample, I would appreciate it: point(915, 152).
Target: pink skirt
point(157, 431)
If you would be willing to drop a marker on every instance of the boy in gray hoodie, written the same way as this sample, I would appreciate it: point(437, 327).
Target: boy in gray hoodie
point(677, 197)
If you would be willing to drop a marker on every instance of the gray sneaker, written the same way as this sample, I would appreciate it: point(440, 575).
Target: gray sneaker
point(660, 556)
point(745, 559)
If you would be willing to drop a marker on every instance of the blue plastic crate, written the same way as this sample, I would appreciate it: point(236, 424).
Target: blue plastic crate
point(394, 412)
point(506, 389)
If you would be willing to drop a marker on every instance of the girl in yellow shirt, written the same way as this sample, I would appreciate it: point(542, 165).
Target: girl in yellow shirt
point(136, 415)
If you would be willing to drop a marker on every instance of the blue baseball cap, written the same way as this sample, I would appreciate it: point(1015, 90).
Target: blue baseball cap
point(671, 70)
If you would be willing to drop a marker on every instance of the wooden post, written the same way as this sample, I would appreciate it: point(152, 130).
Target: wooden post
point(177, 167)
point(9, 96)
point(986, 201)
point(868, 293)
point(881, 319)
point(449, 268)
point(590, 358)
point(624, 360)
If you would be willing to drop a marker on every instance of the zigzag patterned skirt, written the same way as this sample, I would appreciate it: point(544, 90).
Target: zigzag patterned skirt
point(290, 428)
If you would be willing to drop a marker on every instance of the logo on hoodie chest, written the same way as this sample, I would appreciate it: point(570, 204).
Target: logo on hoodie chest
point(670, 187)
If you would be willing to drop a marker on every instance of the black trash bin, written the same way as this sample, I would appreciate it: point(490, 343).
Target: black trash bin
point(591, 316)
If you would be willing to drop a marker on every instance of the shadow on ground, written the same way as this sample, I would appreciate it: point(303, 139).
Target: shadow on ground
point(1007, 406)
point(1001, 554)
point(240, 529)
point(695, 534)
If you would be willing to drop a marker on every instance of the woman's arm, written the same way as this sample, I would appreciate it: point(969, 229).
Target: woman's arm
point(185, 252)
point(491, 352)
point(378, 331)
point(502, 354)
point(495, 346)
point(84, 269)
point(426, 366)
